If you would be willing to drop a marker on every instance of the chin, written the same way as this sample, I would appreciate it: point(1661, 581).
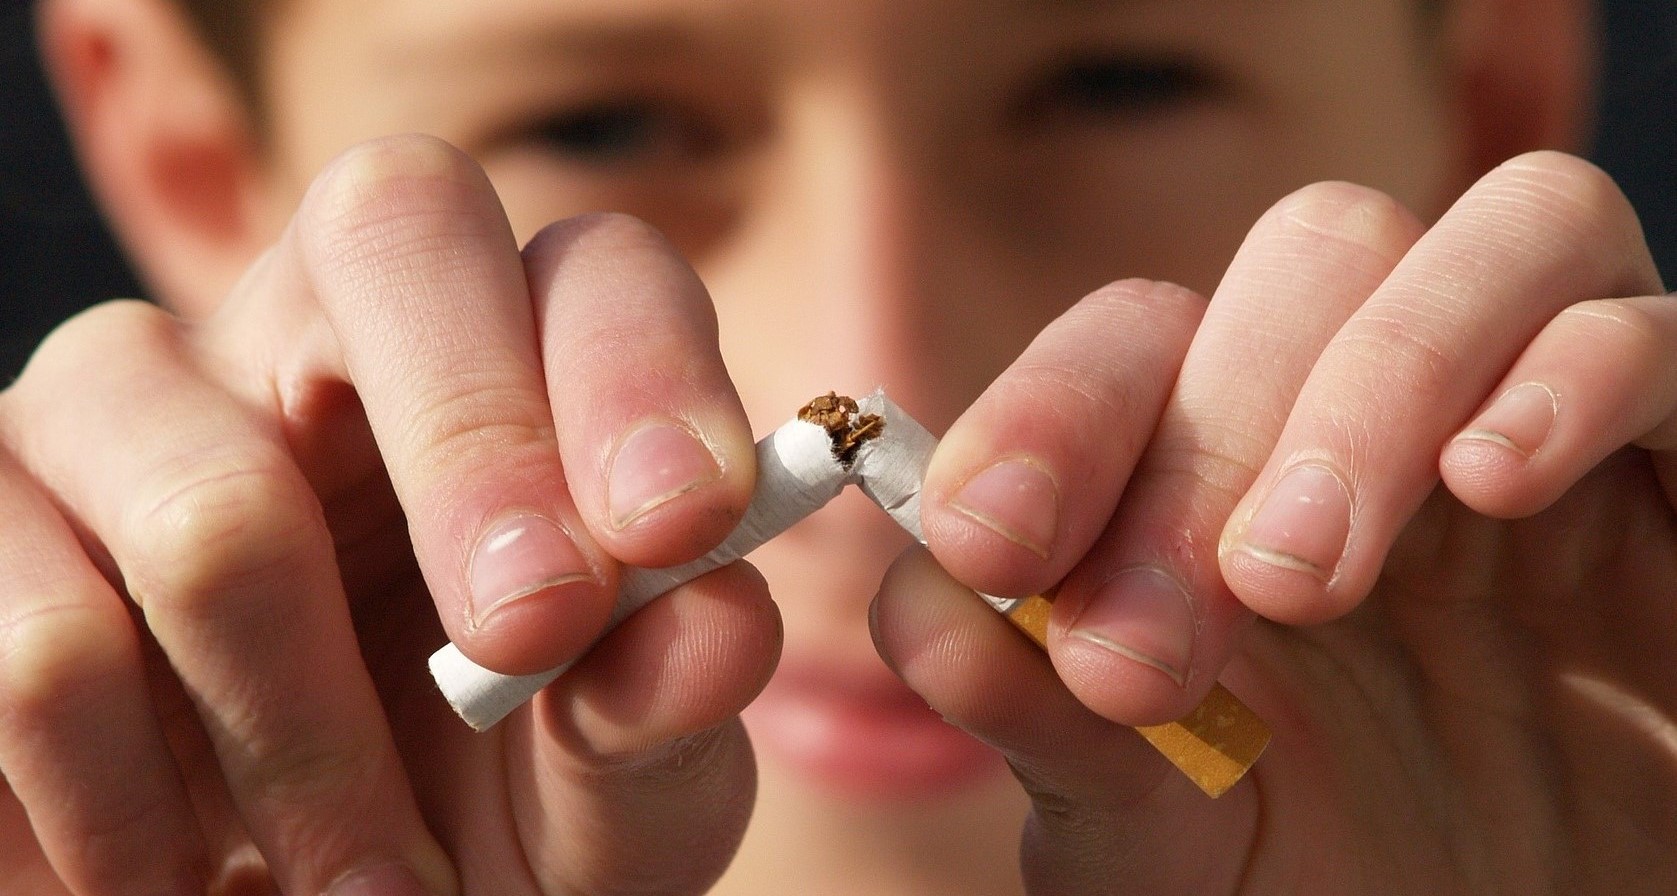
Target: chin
point(844, 828)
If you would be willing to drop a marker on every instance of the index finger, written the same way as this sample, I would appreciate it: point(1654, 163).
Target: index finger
point(412, 262)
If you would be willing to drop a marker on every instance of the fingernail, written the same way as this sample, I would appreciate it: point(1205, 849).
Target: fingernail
point(1519, 420)
point(521, 556)
point(1016, 499)
point(1303, 523)
point(380, 880)
point(1143, 614)
point(654, 464)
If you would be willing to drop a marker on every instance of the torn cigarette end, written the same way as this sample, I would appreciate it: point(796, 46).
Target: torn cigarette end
point(844, 422)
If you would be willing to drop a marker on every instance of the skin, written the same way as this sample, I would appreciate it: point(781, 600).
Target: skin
point(236, 528)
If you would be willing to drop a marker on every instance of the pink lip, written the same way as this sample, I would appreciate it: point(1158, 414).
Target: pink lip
point(862, 733)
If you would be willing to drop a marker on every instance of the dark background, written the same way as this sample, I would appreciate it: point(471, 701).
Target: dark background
point(55, 258)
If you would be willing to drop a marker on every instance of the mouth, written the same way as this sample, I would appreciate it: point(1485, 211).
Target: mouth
point(859, 732)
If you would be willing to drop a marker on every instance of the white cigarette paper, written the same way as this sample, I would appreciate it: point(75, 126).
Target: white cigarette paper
point(797, 474)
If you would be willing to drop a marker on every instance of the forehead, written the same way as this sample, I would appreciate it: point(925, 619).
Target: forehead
point(428, 35)
point(580, 24)
point(402, 64)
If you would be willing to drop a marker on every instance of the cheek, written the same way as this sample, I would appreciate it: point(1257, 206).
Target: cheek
point(1181, 223)
point(1362, 100)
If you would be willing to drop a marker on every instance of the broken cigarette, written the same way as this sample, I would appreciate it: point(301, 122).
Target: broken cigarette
point(1215, 745)
point(797, 475)
point(801, 466)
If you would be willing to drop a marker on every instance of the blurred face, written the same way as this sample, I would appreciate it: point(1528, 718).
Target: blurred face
point(880, 192)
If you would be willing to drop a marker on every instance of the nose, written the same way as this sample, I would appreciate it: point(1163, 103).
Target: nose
point(853, 268)
point(839, 276)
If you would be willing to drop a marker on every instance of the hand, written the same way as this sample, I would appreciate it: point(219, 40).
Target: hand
point(1435, 464)
point(224, 540)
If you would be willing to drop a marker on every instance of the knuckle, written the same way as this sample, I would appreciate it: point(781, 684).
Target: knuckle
point(1073, 388)
point(1070, 393)
point(1069, 820)
point(1563, 176)
point(389, 199)
point(1572, 198)
point(702, 774)
point(478, 418)
point(56, 655)
point(1058, 813)
point(1206, 468)
point(1147, 316)
point(1325, 203)
point(220, 527)
point(674, 765)
point(606, 232)
point(1076, 404)
point(1394, 354)
point(294, 769)
point(111, 837)
point(1618, 328)
point(1347, 217)
point(95, 338)
point(1120, 300)
point(570, 258)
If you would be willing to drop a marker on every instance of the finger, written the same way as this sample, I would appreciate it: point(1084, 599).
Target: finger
point(23, 867)
point(1026, 479)
point(405, 248)
point(655, 442)
point(1361, 448)
point(221, 543)
point(79, 743)
point(1098, 791)
point(635, 767)
point(1599, 377)
point(1141, 629)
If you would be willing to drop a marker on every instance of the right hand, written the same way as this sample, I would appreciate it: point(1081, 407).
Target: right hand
point(224, 540)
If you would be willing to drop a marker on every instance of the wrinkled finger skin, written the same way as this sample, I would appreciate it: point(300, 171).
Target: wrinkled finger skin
point(233, 542)
point(1407, 493)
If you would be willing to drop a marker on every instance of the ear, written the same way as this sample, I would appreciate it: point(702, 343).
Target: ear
point(1522, 74)
point(164, 139)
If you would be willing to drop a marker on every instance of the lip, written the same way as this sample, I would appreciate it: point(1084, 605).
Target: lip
point(860, 732)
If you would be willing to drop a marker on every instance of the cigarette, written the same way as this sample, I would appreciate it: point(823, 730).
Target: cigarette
point(835, 441)
point(797, 474)
point(1215, 745)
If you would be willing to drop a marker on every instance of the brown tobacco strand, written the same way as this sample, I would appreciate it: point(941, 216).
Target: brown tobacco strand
point(837, 414)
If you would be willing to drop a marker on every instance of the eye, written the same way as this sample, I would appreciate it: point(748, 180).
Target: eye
point(1107, 87)
point(628, 131)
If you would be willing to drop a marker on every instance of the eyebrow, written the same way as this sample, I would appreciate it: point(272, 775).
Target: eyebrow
point(556, 33)
point(1084, 4)
point(657, 32)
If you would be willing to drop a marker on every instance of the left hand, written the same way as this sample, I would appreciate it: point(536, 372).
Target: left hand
point(1466, 597)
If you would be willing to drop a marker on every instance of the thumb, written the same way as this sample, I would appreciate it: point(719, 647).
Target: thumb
point(633, 773)
point(1106, 807)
